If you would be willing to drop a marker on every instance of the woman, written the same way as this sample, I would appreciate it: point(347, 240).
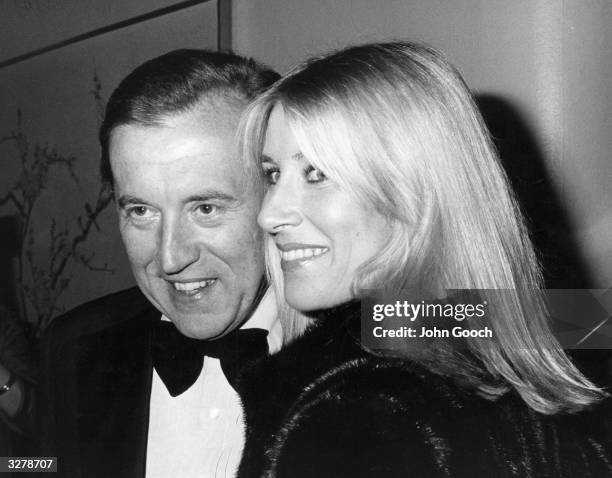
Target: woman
point(381, 174)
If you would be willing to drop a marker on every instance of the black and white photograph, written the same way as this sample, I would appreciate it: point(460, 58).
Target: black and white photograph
point(306, 238)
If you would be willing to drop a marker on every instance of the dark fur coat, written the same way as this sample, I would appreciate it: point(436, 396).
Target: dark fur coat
point(323, 407)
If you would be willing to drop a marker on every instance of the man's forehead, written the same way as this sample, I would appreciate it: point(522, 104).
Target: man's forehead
point(175, 164)
point(212, 112)
point(184, 180)
point(199, 144)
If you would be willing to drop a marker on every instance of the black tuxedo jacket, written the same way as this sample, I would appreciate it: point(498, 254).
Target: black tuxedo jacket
point(95, 387)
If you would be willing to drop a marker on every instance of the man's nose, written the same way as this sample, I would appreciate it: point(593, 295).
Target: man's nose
point(280, 208)
point(178, 248)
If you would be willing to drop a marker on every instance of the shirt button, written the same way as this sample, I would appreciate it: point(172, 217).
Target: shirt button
point(214, 413)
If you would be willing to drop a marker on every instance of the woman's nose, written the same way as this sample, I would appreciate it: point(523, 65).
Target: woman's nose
point(280, 209)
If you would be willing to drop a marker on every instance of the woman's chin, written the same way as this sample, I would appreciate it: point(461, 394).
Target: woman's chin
point(305, 302)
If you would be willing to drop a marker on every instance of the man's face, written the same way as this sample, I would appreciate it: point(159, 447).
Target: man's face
point(187, 215)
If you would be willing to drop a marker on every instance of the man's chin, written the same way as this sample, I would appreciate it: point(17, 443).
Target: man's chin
point(200, 327)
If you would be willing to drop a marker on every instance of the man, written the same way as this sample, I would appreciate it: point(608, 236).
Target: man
point(124, 394)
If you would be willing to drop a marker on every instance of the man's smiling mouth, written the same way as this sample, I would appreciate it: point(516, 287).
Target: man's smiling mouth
point(191, 288)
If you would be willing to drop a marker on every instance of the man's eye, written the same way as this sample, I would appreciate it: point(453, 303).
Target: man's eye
point(140, 212)
point(314, 175)
point(207, 209)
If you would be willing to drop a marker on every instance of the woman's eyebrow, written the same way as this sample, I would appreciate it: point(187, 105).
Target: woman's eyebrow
point(267, 159)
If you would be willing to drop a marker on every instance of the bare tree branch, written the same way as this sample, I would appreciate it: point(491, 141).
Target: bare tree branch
point(43, 285)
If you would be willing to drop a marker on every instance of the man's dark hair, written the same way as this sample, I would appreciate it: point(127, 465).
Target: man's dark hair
point(173, 83)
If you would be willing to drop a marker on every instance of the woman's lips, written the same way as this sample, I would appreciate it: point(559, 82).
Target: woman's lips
point(294, 256)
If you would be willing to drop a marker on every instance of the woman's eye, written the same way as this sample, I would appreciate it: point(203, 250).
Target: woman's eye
point(271, 173)
point(314, 175)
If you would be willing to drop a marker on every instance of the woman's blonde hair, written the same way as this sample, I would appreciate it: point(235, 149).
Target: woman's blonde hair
point(394, 125)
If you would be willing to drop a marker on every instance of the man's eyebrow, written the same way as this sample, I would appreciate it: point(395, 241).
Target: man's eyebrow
point(211, 195)
point(127, 200)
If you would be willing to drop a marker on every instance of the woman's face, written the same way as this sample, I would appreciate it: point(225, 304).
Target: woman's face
point(323, 234)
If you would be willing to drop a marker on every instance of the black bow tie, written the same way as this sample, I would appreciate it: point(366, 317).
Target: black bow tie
point(178, 359)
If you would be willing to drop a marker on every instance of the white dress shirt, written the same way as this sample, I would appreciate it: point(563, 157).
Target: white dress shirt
point(200, 433)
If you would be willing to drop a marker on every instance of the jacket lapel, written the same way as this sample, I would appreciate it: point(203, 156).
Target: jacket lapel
point(113, 374)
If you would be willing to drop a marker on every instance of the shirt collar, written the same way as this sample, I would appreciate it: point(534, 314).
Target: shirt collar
point(266, 317)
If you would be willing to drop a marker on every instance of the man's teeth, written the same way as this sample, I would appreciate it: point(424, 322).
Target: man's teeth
point(189, 286)
point(297, 254)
